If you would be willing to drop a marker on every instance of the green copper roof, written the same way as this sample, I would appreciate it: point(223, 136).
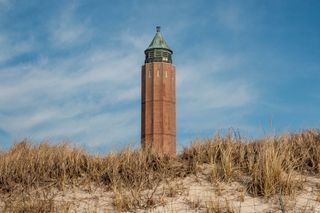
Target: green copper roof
point(158, 42)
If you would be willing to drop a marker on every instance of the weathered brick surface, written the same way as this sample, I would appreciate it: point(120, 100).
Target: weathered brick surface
point(158, 111)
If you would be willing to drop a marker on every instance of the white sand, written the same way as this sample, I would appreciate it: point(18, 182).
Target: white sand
point(192, 194)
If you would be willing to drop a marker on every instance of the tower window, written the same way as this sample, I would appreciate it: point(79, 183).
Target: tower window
point(158, 54)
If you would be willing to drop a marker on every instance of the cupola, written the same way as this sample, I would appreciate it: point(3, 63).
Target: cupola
point(158, 50)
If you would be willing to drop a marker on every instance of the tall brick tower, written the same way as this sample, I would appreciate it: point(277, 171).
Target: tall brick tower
point(158, 113)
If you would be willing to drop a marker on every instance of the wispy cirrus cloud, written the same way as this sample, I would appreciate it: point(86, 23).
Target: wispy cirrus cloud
point(56, 96)
point(203, 86)
point(66, 30)
point(10, 48)
point(211, 98)
point(82, 97)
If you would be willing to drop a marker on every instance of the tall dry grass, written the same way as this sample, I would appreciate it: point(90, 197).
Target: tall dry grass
point(268, 164)
point(30, 166)
point(266, 167)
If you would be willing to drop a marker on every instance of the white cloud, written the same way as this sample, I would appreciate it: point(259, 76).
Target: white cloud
point(66, 30)
point(10, 48)
point(217, 95)
point(104, 128)
point(61, 80)
point(138, 42)
point(210, 97)
point(81, 97)
point(200, 87)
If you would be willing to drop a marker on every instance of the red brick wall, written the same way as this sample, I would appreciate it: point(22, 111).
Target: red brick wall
point(158, 112)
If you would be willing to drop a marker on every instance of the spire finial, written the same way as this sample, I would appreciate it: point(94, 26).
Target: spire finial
point(158, 28)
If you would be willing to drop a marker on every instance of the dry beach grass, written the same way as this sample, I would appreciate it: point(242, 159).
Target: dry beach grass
point(33, 177)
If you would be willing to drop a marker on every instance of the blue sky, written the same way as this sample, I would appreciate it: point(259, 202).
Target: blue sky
point(70, 70)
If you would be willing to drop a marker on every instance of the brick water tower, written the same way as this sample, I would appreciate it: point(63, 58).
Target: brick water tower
point(158, 111)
